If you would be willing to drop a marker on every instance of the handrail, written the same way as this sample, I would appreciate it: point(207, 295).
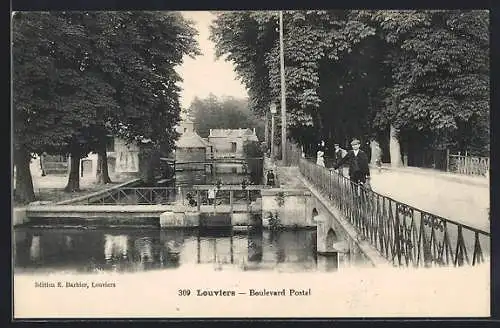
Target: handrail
point(195, 196)
point(402, 233)
point(230, 187)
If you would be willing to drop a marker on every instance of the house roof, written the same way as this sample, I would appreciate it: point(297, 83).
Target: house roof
point(191, 140)
point(233, 133)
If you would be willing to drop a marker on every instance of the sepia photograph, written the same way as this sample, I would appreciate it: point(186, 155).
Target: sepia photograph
point(250, 164)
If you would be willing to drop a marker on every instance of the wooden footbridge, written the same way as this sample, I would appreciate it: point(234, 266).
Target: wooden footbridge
point(208, 163)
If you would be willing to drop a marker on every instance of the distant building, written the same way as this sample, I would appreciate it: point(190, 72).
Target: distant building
point(228, 143)
point(190, 147)
point(122, 158)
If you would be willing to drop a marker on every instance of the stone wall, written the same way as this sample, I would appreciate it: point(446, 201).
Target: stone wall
point(222, 146)
point(293, 206)
point(127, 157)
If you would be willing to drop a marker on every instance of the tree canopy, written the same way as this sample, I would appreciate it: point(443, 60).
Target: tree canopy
point(356, 72)
point(223, 113)
point(80, 76)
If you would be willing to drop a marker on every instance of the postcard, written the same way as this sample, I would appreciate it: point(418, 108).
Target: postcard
point(251, 164)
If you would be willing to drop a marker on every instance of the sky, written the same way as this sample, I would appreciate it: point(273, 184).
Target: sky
point(204, 74)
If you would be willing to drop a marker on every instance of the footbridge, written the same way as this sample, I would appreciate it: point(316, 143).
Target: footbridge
point(355, 221)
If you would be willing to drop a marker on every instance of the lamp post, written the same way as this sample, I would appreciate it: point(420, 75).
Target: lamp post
point(273, 112)
point(283, 93)
point(266, 131)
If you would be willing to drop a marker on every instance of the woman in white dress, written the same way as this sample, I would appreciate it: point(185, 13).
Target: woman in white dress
point(320, 160)
point(320, 155)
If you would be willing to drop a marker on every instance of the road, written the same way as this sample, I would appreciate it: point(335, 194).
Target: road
point(450, 196)
point(458, 201)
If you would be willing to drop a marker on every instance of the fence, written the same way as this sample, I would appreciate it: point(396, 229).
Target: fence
point(189, 196)
point(135, 196)
point(403, 234)
point(470, 165)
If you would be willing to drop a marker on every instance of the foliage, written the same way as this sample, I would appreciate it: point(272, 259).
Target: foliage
point(440, 71)
point(254, 153)
point(224, 113)
point(252, 149)
point(312, 41)
point(79, 76)
point(280, 198)
point(354, 72)
point(275, 222)
point(53, 99)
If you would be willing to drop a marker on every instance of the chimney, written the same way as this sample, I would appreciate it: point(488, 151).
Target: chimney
point(253, 130)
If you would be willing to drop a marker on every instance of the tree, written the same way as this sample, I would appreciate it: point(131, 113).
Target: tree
point(143, 72)
point(224, 113)
point(53, 99)
point(254, 155)
point(95, 74)
point(314, 43)
point(440, 71)
point(359, 73)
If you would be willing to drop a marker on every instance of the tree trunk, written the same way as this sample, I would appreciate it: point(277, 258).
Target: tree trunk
point(74, 173)
point(42, 164)
point(266, 131)
point(146, 167)
point(24, 192)
point(102, 176)
point(394, 148)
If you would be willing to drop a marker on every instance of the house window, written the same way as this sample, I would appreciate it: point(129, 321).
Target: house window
point(110, 144)
point(233, 147)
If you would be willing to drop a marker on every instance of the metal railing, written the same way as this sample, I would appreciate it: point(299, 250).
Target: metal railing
point(194, 196)
point(403, 234)
point(135, 196)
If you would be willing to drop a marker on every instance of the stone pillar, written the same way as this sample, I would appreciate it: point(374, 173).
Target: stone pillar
point(19, 216)
point(322, 231)
point(376, 151)
point(395, 149)
point(328, 263)
point(170, 219)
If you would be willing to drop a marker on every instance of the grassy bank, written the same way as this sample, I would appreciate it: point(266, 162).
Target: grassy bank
point(50, 188)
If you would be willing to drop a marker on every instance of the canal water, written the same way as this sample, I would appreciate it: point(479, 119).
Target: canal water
point(65, 245)
point(56, 250)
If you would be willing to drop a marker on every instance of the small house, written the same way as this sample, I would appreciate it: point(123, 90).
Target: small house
point(190, 147)
point(228, 143)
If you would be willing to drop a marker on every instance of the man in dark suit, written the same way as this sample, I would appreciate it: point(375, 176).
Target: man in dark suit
point(359, 172)
point(339, 153)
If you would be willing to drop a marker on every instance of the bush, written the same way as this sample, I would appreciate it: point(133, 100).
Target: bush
point(253, 149)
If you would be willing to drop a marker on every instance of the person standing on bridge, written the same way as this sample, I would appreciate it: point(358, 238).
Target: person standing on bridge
point(359, 171)
point(320, 160)
point(339, 153)
point(270, 178)
point(211, 195)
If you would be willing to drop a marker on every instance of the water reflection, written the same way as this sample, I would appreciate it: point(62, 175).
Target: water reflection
point(255, 245)
point(35, 248)
point(131, 250)
point(115, 247)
